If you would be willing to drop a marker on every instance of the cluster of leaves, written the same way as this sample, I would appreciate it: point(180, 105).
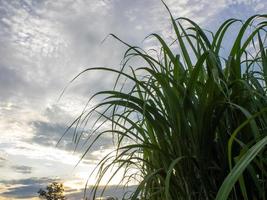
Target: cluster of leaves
point(54, 191)
point(193, 122)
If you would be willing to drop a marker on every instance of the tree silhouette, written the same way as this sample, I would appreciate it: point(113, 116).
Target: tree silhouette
point(54, 191)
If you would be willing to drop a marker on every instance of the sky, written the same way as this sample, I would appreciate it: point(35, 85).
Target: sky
point(44, 44)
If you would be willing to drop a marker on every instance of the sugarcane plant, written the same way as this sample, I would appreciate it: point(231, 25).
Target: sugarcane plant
point(189, 121)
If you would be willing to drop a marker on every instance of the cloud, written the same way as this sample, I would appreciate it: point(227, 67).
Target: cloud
point(49, 134)
point(2, 161)
point(22, 169)
point(11, 83)
point(28, 188)
point(21, 191)
point(29, 181)
point(45, 44)
point(24, 188)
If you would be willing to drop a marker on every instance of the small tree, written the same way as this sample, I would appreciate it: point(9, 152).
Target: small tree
point(54, 191)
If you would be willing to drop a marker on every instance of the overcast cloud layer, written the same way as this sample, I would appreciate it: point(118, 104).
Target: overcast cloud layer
point(44, 44)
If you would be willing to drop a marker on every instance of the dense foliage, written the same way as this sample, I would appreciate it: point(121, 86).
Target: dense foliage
point(54, 191)
point(191, 120)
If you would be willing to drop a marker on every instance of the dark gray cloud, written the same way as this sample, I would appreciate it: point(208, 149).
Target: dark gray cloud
point(49, 134)
point(22, 191)
point(24, 188)
point(28, 188)
point(22, 169)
